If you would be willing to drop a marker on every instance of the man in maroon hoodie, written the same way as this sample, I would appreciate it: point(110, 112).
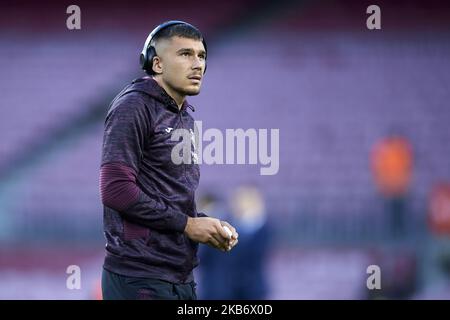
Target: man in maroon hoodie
point(151, 224)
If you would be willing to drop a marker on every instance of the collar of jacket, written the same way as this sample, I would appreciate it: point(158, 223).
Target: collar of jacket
point(152, 88)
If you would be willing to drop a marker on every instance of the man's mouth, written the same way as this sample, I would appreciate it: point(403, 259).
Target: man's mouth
point(195, 77)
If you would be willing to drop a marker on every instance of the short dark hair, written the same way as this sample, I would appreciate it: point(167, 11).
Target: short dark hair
point(180, 30)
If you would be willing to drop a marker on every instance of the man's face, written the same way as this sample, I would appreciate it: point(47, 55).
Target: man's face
point(181, 64)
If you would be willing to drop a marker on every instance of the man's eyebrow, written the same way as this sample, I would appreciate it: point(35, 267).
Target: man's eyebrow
point(190, 50)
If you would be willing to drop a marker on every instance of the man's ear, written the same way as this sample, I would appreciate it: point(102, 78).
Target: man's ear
point(157, 66)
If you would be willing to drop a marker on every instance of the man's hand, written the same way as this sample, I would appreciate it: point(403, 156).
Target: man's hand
point(233, 241)
point(210, 231)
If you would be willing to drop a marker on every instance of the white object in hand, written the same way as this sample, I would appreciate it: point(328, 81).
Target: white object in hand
point(227, 230)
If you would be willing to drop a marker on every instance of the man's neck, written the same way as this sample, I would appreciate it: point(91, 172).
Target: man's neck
point(179, 99)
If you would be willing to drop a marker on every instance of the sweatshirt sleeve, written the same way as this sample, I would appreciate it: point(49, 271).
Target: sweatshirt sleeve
point(202, 215)
point(125, 130)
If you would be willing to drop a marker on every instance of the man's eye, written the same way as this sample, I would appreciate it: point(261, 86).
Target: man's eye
point(185, 54)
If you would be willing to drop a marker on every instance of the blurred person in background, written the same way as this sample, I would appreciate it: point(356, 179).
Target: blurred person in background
point(151, 223)
point(392, 162)
point(214, 265)
point(241, 276)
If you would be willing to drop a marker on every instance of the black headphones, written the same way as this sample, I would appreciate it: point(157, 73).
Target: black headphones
point(149, 52)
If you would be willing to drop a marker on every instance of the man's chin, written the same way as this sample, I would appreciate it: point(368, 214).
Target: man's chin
point(192, 91)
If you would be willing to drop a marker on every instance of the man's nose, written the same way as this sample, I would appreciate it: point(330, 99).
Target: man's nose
point(198, 64)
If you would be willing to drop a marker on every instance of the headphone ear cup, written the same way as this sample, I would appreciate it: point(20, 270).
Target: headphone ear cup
point(142, 61)
point(146, 60)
